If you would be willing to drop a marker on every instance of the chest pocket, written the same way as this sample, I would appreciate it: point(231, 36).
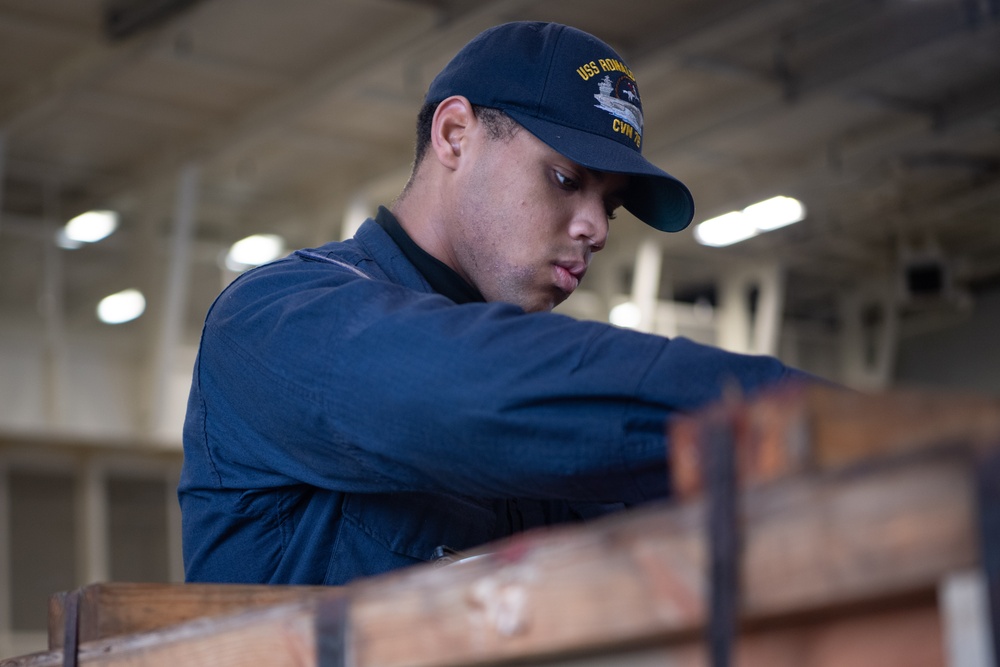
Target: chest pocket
point(414, 524)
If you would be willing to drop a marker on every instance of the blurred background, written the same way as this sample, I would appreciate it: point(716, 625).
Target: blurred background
point(197, 138)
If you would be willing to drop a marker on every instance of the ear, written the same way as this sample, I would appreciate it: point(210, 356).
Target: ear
point(450, 129)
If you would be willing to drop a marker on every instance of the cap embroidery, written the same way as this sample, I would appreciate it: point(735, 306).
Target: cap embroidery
point(610, 99)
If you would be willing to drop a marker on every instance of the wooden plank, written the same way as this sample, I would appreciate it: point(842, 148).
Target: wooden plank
point(811, 544)
point(907, 635)
point(283, 636)
point(110, 609)
point(798, 429)
point(277, 636)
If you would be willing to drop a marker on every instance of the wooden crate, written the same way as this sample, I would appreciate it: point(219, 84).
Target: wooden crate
point(854, 510)
point(114, 609)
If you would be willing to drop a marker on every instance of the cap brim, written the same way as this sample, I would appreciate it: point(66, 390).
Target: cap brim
point(654, 196)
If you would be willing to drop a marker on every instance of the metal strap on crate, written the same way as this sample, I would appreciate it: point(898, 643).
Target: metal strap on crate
point(719, 455)
point(331, 631)
point(71, 631)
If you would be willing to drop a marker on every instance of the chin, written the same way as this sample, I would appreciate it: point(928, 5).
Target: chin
point(537, 305)
point(546, 305)
point(539, 301)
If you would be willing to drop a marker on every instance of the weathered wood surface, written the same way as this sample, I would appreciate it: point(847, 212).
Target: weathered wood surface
point(836, 541)
point(275, 636)
point(814, 428)
point(812, 544)
point(902, 636)
point(283, 636)
point(111, 609)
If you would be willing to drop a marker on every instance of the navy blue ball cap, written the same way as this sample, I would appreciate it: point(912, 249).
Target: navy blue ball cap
point(573, 92)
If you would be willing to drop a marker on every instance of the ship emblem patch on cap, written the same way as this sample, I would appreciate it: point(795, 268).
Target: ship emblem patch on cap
point(616, 98)
point(619, 96)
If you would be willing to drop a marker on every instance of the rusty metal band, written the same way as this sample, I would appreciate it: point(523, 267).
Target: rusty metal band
point(331, 631)
point(719, 454)
point(71, 628)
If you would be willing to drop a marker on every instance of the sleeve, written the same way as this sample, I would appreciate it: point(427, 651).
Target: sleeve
point(362, 385)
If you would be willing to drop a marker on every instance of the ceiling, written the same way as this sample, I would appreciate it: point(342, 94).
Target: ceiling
point(883, 116)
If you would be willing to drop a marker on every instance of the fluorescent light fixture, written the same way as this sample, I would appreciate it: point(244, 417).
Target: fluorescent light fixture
point(254, 250)
point(65, 242)
point(121, 306)
point(625, 315)
point(741, 225)
point(90, 227)
point(725, 230)
point(775, 212)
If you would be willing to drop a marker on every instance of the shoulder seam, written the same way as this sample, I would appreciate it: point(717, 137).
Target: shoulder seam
point(323, 258)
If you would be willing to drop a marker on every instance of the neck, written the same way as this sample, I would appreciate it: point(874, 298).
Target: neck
point(420, 214)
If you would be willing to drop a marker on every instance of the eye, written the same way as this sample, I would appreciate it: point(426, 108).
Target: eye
point(564, 181)
point(611, 207)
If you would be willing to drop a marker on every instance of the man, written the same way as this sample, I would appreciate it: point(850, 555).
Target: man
point(361, 406)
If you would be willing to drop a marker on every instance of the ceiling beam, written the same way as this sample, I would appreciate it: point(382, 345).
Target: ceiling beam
point(398, 48)
point(49, 92)
point(837, 68)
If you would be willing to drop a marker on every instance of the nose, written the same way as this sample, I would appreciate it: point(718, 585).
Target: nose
point(590, 223)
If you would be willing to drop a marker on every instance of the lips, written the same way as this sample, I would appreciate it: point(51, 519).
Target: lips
point(568, 275)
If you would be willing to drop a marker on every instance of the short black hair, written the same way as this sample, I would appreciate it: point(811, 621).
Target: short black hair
point(497, 123)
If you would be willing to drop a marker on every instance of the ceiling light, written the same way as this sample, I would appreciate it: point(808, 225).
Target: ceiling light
point(90, 226)
point(775, 212)
point(725, 230)
point(65, 242)
point(121, 306)
point(626, 315)
point(254, 251)
point(741, 225)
